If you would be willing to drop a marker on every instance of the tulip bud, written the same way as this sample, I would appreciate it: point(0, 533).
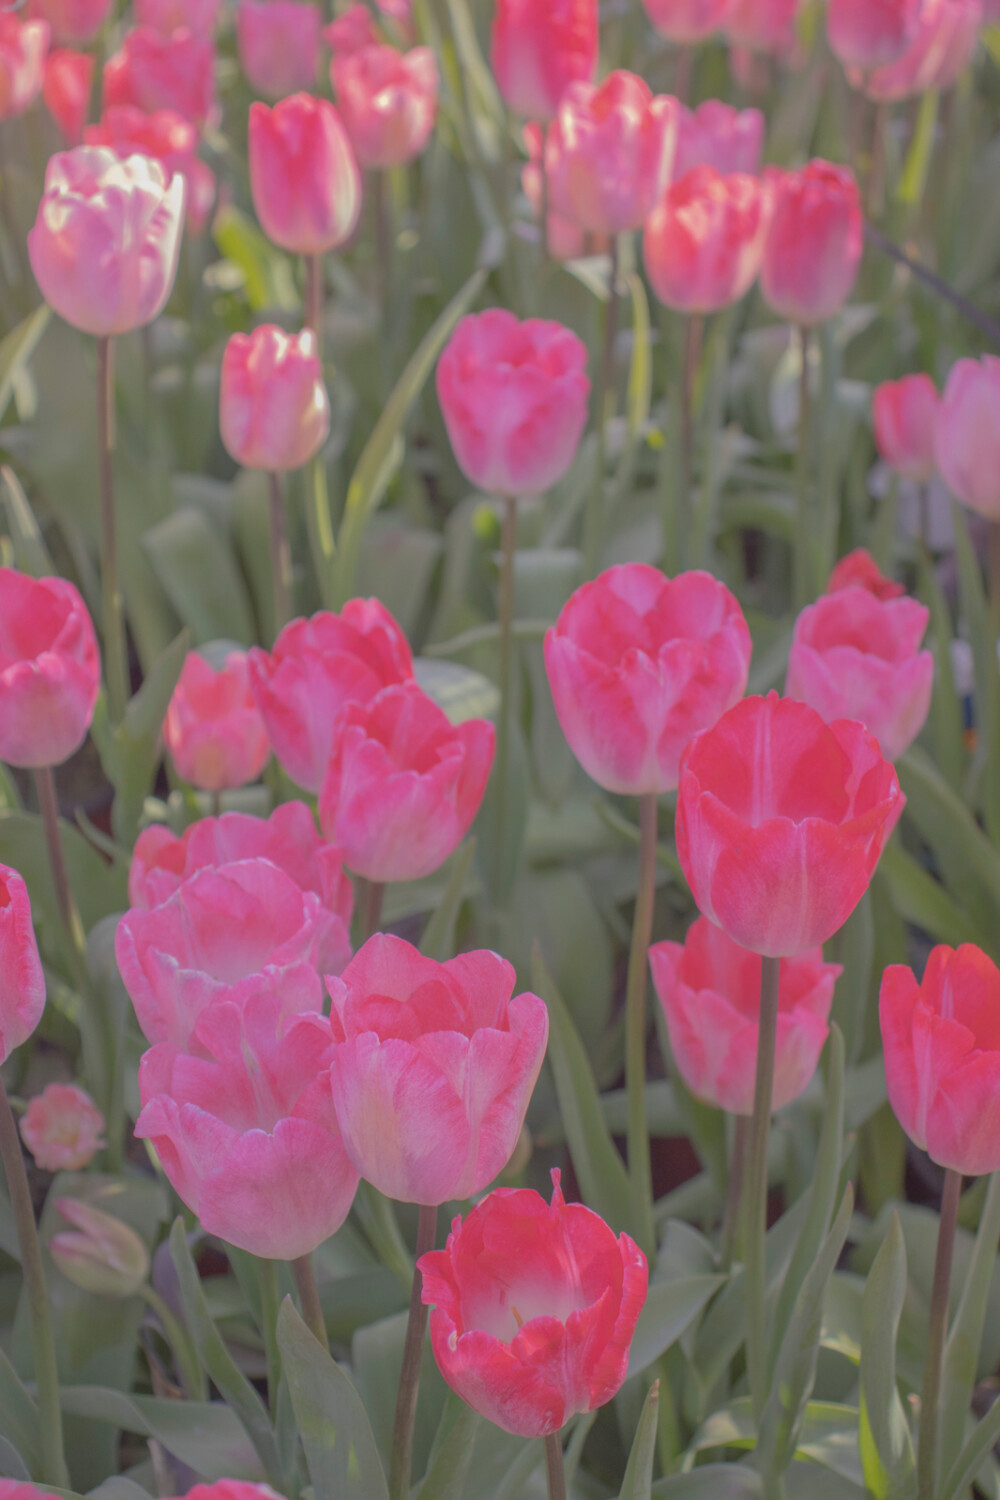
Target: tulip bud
point(105, 1256)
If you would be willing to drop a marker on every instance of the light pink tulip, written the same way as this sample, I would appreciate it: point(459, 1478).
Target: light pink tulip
point(273, 408)
point(688, 21)
point(169, 139)
point(62, 1128)
point(154, 72)
point(167, 16)
point(814, 242)
point(303, 174)
point(904, 414)
point(940, 49)
point(23, 45)
point(720, 136)
point(704, 240)
point(537, 51)
point(967, 434)
point(66, 91)
point(22, 983)
point(278, 45)
point(213, 731)
point(388, 101)
point(50, 671)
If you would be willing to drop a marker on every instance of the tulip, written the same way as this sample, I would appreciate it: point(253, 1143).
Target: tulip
point(905, 414)
point(704, 240)
point(273, 407)
point(717, 135)
point(781, 819)
point(23, 45)
point(153, 72)
point(967, 434)
point(709, 989)
point(613, 149)
point(403, 784)
point(541, 1330)
point(62, 1128)
point(50, 671)
point(167, 16)
point(316, 667)
point(688, 21)
point(169, 139)
point(814, 243)
point(278, 45)
point(22, 983)
point(351, 31)
point(871, 33)
point(246, 1132)
point(66, 91)
point(433, 1068)
point(224, 935)
point(213, 731)
point(537, 51)
point(940, 48)
point(859, 569)
point(104, 1256)
point(388, 101)
point(763, 25)
point(73, 22)
point(303, 176)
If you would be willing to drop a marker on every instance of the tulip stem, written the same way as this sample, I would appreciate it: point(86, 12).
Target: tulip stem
point(635, 1024)
point(312, 1308)
point(927, 1456)
point(755, 1185)
point(372, 893)
point(505, 613)
point(803, 579)
point(554, 1467)
point(281, 554)
point(593, 526)
point(113, 607)
point(734, 1192)
point(54, 1469)
point(694, 327)
point(69, 915)
point(409, 1375)
point(314, 299)
point(270, 1301)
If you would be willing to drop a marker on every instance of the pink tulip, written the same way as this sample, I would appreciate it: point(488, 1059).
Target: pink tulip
point(101, 1254)
point(860, 569)
point(904, 414)
point(763, 25)
point(403, 784)
point(871, 33)
point(717, 135)
point(566, 240)
point(781, 820)
point(50, 671)
point(688, 21)
point(15, 1489)
point(105, 244)
point(169, 139)
point(22, 983)
point(940, 49)
point(73, 22)
point(228, 1489)
point(351, 31)
point(153, 72)
point(315, 668)
point(967, 434)
point(213, 731)
point(66, 91)
point(535, 1307)
point(23, 45)
point(434, 1068)
point(303, 176)
point(223, 935)
point(704, 240)
point(278, 45)
point(514, 400)
point(388, 101)
point(62, 1128)
point(273, 408)
point(612, 151)
point(246, 1132)
point(941, 1041)
point(167, 16)
point(537, 51)
point(638, 664)
point(814, 243)
point(709, 988)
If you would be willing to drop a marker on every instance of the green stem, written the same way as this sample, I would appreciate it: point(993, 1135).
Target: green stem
point(505, 620)
point(312, 1308)
point(54, 1469)
point(734, 1192)
point(314, 299)
point(694, 326)
point(281, 554)
point(113, 607)
point(319, 519)
point(185, 1354)
point(554, 1469)
point(635, 1023)
point(593, 525)
point(69, 915)
point(803, 570)
point(372, 893)
point(927, 1458)
point(270, 1301)
point(755, 1185)
point(409, 1375)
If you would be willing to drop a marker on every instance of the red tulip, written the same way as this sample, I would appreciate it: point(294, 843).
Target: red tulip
point(638, 664)
point(539, 50)
point(860, 569)
point(388, 100)
point(213, 731)
point(704, 240)
point(303, 176)
point(967, 434)
point(781, 820)
point(814, 243)
point(278, 44)
point(315, 668)
point(688, 21)
point(709, 988)
point(434, 1068)
point(720, 136)
point(871, 33)
point(153, 72)
point(940, 48)
point(22, 983)
point(941, 1040)
point(274, 412)
point(66, 91)
point(535, 1307)
point(62, 1128)
point(904, 414)
point(403, 784)
point(50, 671)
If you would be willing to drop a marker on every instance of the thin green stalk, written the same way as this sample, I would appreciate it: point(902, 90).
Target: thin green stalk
point(319, 519)
point(593, 524)
point(734, 1192)
point(803, 569)
point(927, 1453)
point(694, 325)
point(635, 1024)
point(113, 604)
point(409, 1376)
point(555, 1472)
point(54, 1469)
point(755, 1185)
point(505, 614)
point(185, 1354)
point(312, 1308)
point(281, 554)
point(314, 299)
point(270, 1301)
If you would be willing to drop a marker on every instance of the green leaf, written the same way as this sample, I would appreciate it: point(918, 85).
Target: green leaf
point(19, 1419)
point(17, 348)
point(961, 1355)
point(638, 1481)
point(884, 1437)
point(267, 271)
point(197, 570)
point(12, 1465)
point(451, 1455)
point(920, 899)
point(100, 888)
point(336, 1435)
point(30, 552)
point(670, 1307)
point(977, 1451)
point(910, 190)
point(438, 940)
point(828, 1434)
point(458, 691)
point(711, 1482)
point(206, 1436)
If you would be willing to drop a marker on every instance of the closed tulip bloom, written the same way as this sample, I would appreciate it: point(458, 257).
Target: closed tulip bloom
point(167, 16)
point(278, 45)
point(704, 240)
point(226, 933)
point(403, 784)
point(687, 21)
point(720, 136)
point(514, 399)
point(351, 31)
point(939, 49)
point(23, 45)
point(904, 414)
point(537, 51)
point(62, 1128)
point(105, 244)
point(50, 671)
point(763, 25)
point(814, 243)
point(638, 664)
point(433, 1068)
point(246, 1132)
point(73, 22)
point(152, 72)
point(303, 174)
point(315, 668)
point(941, 1040)
point(709, 989)
point(169, 139)
point(870, 33)
point(534, 1309)
point(781, 820)
point(859, 569)
point(213, 731)
point(22, 983)
point(273, 408)
point(613, 149)
point(388, 100)
point(66, 91)
point(967, 434)
point(101, 1254)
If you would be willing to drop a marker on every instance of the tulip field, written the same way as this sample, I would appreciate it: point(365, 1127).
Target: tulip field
point(500, 749)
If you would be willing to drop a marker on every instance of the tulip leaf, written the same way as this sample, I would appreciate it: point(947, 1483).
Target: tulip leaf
point(828, 1435)
point(884, 1436)
point(671, 1306)
point(17, 348)
point(438, 940)
point(197, 569)
point(711, 1482)
point(266, 270)
point(12, 1465)
point(100, 888)
point(336, 1434)
point(457, 690)
point(975, 1454)
point(922, 900)
point(30, 552)
point(205, 1435)
point(19, 1418)
point(451, 1455)
point(638, 1481)
point(961, 1355)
